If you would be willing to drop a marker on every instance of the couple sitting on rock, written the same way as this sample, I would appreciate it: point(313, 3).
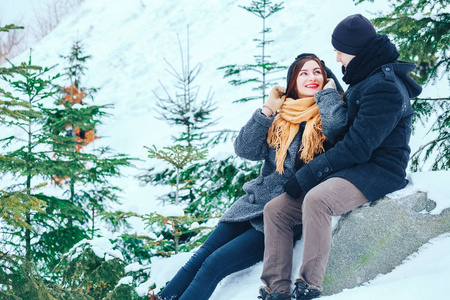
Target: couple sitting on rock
point(325, 153)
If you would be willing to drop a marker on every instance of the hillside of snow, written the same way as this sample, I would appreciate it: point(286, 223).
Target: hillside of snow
point(129, 41)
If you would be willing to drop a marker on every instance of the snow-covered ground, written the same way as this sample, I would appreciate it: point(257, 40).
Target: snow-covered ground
point(129, 40)
point(423, 275)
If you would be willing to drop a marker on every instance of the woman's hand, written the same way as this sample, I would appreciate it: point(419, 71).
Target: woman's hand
point(275, 99)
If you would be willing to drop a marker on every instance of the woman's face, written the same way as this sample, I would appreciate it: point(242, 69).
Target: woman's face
point(310, 79)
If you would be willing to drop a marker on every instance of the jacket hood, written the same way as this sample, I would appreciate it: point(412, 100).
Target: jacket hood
point(401, 69)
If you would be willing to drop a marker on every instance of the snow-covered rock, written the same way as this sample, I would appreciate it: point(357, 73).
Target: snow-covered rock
point(374, 239)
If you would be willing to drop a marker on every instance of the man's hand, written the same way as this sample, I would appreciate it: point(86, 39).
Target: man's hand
point(292, 188)
point(330, 84)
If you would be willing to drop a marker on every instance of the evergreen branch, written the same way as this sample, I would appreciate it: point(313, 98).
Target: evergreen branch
point(221, 136)
point(237, 69)
point(263, 9)
point(117, 219)
point(237, 82)
point(433, 99)
point(14, 205)
point(423, 40)
point(178, 156)
point(435, 141)
point(9, 27)
point(246, 99)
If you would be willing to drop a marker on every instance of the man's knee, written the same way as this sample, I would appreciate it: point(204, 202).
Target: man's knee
point(314, 202)
point(274, 207)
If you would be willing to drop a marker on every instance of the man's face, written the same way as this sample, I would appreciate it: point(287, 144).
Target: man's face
point(343, 58)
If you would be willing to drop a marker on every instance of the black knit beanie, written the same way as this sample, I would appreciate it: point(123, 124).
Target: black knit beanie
point(353, 34)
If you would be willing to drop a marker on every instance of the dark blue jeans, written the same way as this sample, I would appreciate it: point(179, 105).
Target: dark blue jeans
point(231, 247)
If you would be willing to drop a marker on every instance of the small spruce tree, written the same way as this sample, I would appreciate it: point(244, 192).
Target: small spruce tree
point(23, 210)
point(84, 175)
point(231, 173)
point(15, 204)
point(179, 157)
point(26, 158)
point(262, 67)
point(183, 110)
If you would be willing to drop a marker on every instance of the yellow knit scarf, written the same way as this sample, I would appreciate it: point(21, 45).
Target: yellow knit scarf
point(286, 124)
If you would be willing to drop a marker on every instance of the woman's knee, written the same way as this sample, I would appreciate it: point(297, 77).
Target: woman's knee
point(196, 260)
point(214, 267)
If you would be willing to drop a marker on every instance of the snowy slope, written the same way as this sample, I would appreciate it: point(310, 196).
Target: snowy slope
point(129, 40)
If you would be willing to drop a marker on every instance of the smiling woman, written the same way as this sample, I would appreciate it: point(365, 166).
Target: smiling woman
point(311, 76)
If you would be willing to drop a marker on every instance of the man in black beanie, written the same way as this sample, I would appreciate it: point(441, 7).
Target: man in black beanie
point(367, 163)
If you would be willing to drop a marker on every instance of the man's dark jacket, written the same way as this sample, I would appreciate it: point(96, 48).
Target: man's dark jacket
point(374, 154)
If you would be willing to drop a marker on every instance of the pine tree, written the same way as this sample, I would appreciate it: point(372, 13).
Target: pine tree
point(84, 175)
point(263, 9)
point(220, 181)
point(421, 29)
point(179, 157)
point(19, 277)
point(231, 173)
point(184, 110)
point(38, 228)
point(14, 205)
point(28, 161)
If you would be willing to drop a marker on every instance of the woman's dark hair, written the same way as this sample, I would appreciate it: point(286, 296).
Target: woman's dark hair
point(294, 70)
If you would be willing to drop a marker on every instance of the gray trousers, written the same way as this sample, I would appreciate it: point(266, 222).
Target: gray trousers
point(333, 197)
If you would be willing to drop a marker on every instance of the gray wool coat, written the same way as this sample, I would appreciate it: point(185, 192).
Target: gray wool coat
point(251, 144)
